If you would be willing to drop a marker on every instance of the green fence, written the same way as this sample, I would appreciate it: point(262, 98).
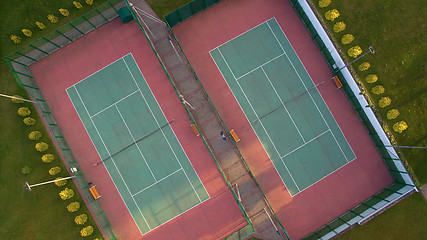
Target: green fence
point(19, 62)
point(403, 184)
point(188, 10)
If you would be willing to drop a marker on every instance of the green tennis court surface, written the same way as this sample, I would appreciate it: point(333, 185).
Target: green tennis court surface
point(136, 144)
point(283, 105)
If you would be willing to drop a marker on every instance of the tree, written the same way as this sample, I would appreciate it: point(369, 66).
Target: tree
point(371, 78)
point(400, 126)
point(35, 135)
point(339, 26)
point(47, 158)
point(332, 14)
point(354, 51)
point(392, 114)
point(60, 183)
point(364, 66)
point(324, 3)
point(40, 25)
point(17, 96)
point(89, 2)
point(87, 231)
point(24, 111)
point(29, 121)
point(15, 39)
point(52, 18)
point(27, 32)
point(347, 39)
point(80, 219)
point(384, 102)
point(77, 5)
point(66, 194)
point(73, 206)
point(64, 12)
point(378, 90)
point(42, 146)
point(54, 170)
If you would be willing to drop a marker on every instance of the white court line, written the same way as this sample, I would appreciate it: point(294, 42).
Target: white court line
point(113, 104)
point(109, 174)
point(112, 160)
point(140, 191)
point(283, 104)
point(306, 143)
point(163, 114)
point(161, 130)
point(260, 66)
point(142, 155)
point(239, 35)
point(311, 97)
point(262, 125)
point(97, 71)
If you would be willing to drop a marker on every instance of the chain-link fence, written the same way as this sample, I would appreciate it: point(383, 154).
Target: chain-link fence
point(19, 62)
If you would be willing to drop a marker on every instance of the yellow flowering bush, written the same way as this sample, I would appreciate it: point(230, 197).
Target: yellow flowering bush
point(378, 90)
point(364, 66)
point(47, 158)
point(24, 111)
point(66, 194)
point(16, 100)
point(332, 14)
point(355, 51)
point(384, 102)
point(42, 146)
point(89, 2)
point(77, 5)
point(400, 126)
point(392, 114)
point(27, 32)
point(35, 135)
point(64, 12)
point(52, 18)
point(29, 121)
point(371, 78)
point(40, 25)
point(15, 39)
point(87, 231)
point(55, 170)
point(347, 39)
point(324, 3)
point(339, 26)
point(60, 183)
point(73, 207)
point(80, 219)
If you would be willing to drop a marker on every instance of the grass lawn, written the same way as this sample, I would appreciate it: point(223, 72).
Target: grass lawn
point(39, 214)
point(405, 220)
point(398, 31)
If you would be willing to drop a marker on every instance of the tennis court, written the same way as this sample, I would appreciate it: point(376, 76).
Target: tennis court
point(283, 106)
point(136, 144)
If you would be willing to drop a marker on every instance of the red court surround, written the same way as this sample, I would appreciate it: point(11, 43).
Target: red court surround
point(338, 192)
point(215, 218)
